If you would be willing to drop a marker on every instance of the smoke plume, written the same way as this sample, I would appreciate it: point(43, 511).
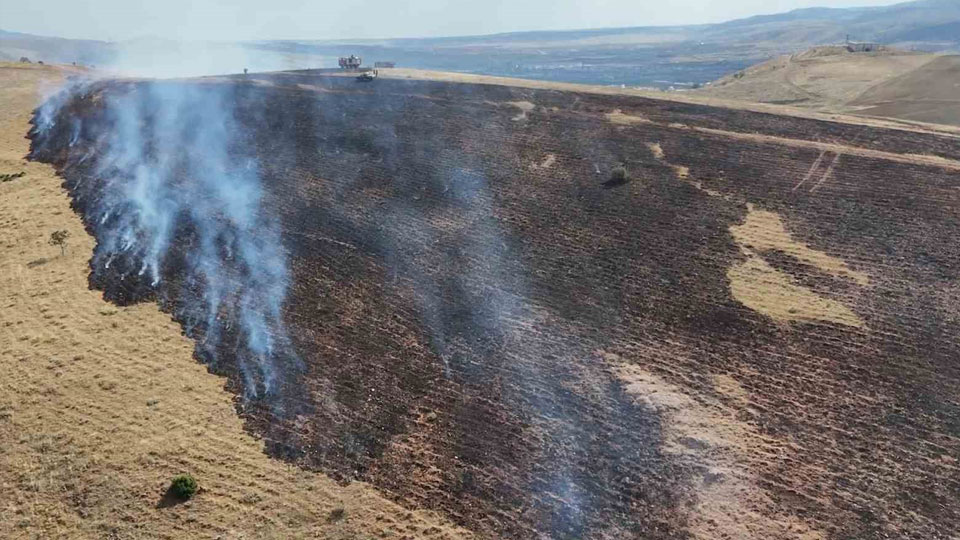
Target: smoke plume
point(178, 185)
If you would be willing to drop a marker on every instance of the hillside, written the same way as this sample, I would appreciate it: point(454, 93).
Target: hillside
point(101, 405)
point(930, 93)
point(823, 78)
point(545, 313)
point(888, 83)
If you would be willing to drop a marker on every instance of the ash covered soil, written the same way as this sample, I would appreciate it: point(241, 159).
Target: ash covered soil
point(753, 336)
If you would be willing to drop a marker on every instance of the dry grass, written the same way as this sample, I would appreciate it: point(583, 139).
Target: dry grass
point(618, 117)
point(763, 288)
point(547, 162)
point(682, 172)
point(706, 433)
point(524, 106)
point(933, 161)
point(656, 149)
point(819, 79)
point(101, 406)
point(764, 231)
point(680, 97)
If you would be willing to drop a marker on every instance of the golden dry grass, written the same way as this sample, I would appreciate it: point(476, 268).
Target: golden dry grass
point(761, 287)
point(620, 118)
point(764, 231)
point(706, 433)
point(524, 106)
point(101, 406)
point(821, 78)
point(656, 150)
point(680, 97)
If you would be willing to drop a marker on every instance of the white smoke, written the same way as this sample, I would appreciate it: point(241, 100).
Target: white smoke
point(170, 159)
point(159, 58)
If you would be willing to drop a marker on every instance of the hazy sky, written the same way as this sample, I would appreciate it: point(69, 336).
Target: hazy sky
point(325, 19)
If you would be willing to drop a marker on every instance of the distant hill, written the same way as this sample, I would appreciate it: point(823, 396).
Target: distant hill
point(890, 83)
point(916, 21)
point(927, 94)
point(661, 57)
point(14, 45)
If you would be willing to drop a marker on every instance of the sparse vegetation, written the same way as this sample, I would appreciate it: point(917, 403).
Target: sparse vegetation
point(183, 486)
point(337, 514)
point(619, 175)
point(59, 239)
point(11, 176)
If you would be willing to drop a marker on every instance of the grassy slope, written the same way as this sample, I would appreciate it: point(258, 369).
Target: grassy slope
point(897, 85)
point(100, 406)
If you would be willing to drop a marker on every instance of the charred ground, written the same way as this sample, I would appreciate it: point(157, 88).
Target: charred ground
point(464, 289)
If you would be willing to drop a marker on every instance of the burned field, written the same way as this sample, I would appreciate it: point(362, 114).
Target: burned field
point(446, 290)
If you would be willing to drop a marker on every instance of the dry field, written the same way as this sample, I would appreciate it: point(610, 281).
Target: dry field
point(928, 94)
point(906, 86)
point(101, 406)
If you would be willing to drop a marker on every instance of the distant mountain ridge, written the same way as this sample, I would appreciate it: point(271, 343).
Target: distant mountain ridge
point(642, 55)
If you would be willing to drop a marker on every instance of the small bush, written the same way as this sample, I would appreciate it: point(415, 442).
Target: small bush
point(619, 175)
point(337, 514)
point(184, 486)
point(59, 238)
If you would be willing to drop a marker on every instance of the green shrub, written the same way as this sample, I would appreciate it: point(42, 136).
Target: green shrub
point(619, 175)
point(59, 238)
point(184, 486)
